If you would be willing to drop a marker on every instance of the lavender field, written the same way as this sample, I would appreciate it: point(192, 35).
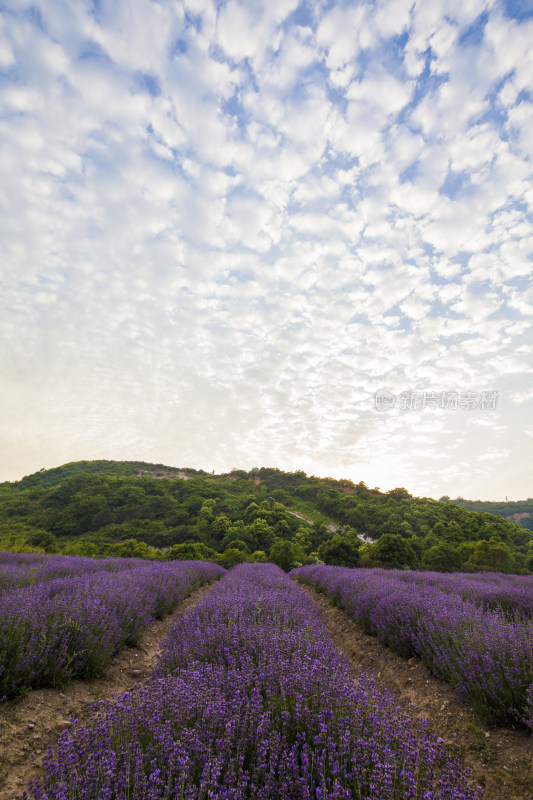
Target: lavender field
point(27, 569)
point(66, 617)
point(251, 699)
point(509, 594)
point(473, 631)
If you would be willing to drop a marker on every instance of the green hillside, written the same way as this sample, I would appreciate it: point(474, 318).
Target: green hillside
point(519, 511)
point(127, 508)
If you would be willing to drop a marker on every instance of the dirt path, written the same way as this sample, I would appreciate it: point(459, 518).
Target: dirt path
point(300, 516)
point(30, 725)
point(331, 527)
point(500, 759)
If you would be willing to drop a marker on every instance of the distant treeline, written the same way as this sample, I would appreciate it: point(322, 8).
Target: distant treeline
point(520, 511)
point(121, 508)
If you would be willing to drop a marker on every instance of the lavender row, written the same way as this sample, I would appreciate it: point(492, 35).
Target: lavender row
point(511, 594)
point(252, 700)
point(485, 656)
point(55, 630)
point(26, 569)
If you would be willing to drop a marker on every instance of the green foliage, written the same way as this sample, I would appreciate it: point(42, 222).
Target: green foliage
point(229, 558)
point(237, 544)
point(442, 556)
point(520, 511)
point(339, 551)
point(303, 538)
point(131, 548)
point(286, 555)
point(491, 555)
point(392, 550)
point(43, 540)
point(281, 496)
point(106, 507)
point(83, 548)
point(190, 551)
point(220, 527)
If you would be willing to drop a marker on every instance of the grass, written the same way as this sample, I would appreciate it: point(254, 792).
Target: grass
point(305, 507)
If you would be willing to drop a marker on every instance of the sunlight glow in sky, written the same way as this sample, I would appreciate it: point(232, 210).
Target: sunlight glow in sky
point(226, 225)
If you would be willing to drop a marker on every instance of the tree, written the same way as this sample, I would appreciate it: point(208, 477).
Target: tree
point(442, 556)
point(239, 533)
point(392, 550)
point(282, 529)
point(303, 539)
point(43, 539)
point(318, 533)
point(366, 555)
point(519, 562)
point(220, 526)
point(125, 549)
point(190, 551)
point(491, 555)
point(339, 551)
point(281, 496)
point(286, 554)
point(237, 544)
point(205, 519)
point(252, 511)
point(83, 548)
point(263, 535)
point(439, 531)
point(405, 530)
point(466, 549)
point(229, 558)
point(399, 494)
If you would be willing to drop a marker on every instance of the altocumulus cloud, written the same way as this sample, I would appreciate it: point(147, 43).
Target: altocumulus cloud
point(225, 226)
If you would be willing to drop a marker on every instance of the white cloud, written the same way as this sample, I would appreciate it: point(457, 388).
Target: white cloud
point(523, 396)
point(343, 32)
point(223, 231)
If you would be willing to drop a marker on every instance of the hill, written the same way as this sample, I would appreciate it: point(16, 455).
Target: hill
point(520, 511)
point(129, 508)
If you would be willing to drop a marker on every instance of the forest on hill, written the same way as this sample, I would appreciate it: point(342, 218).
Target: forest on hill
point(128, 508)
point(519, 511)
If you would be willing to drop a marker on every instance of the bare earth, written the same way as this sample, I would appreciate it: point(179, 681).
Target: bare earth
point(500, 762)
point(30, 725)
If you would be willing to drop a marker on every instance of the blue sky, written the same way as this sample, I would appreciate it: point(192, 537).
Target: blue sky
point(226, 225)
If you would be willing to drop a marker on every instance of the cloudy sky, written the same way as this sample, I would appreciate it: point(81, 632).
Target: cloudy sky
point(225, 226)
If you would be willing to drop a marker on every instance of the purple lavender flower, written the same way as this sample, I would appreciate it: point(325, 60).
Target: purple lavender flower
point(55, 628)
point(485, 653)
point(251, 699)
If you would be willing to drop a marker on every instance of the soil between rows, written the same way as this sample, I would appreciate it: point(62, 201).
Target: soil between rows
point(500, 762)
point(28, 726)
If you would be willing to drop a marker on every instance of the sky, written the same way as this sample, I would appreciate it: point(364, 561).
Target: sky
point(276, 233)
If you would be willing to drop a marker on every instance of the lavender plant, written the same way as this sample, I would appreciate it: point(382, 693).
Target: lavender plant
point(27, 569)
point(251, 699)
point(492, 591)
point(486, 656)
point(66, 627)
